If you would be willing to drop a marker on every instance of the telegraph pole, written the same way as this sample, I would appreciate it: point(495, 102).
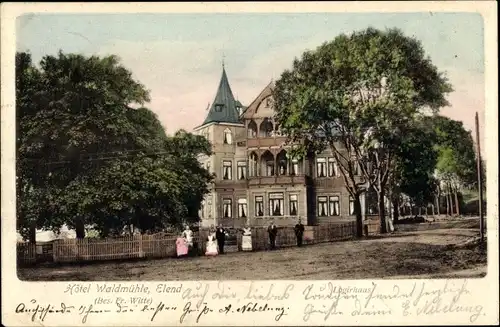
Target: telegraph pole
point(479, 180)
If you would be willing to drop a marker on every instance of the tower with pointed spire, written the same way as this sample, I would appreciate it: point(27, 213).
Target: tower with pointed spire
point(224, 128)
point(224, 108)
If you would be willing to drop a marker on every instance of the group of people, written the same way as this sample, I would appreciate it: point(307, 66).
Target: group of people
point(272, 231)
point(217, 239)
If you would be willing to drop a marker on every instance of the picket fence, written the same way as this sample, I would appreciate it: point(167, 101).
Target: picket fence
point(163, 245)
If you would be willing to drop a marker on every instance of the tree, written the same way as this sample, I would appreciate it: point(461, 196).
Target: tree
point(87, 157)
point(357, 95)
point(414, 165)
point(456, 166)
point(29, 196)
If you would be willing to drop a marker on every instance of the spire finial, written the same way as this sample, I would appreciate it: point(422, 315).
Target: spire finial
point(223, 57)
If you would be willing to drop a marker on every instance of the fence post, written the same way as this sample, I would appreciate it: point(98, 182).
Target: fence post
point(54, 250)
point(141, 252)
point(153, 239)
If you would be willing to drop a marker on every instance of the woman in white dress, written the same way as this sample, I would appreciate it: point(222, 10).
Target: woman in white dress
point(246, 239)
point(187, 234)
point(211, 243)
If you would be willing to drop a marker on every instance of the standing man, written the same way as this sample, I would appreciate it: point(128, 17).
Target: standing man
point(272, 230)
point(299, 232)
point(220, 235)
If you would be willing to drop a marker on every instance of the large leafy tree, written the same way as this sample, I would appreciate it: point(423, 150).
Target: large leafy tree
point(414, 166)
point(456, 166)
point(87, 157)
point(357, 95)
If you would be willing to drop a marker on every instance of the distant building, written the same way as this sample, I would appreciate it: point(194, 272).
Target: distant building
point(256, 179)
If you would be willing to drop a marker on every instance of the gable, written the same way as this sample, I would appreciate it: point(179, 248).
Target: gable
point(258, 106)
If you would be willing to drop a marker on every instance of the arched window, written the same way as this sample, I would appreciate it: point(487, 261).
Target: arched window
point(252, 129)
point(267, 164)
point(266, 128)
point(228, 137)
point(282, 163)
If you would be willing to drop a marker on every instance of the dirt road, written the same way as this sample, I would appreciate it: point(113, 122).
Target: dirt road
point(424, 254)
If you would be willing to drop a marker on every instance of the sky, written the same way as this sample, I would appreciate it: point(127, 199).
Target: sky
point(178, 57)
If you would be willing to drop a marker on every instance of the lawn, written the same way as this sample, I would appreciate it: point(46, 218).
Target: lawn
point(437, 253)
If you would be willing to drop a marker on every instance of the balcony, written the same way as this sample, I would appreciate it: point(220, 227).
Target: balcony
point(329, 182)
point(265, 141)
point(231, 183)
point(277, 180)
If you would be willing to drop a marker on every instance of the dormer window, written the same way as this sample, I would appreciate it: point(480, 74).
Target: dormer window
point(218, 107)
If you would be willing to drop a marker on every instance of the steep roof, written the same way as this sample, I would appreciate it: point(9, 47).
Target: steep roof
point(223, 108)
point(251, 109)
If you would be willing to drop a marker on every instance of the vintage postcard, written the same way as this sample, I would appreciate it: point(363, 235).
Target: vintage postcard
point(249, 164)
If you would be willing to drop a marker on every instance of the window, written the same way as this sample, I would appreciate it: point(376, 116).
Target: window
point(295, 167)
point(227, 170)
point(266, 128)
point(332, 167)
point(242, 170)
point(322, 206)
point(218, 107)
point(321, 167)
point(259, 206)
point(282, 167)
point(269, 102)
point(294, 203)
point(351, 206)
point(228, 138)
point(277, 130)
point(269, 168)
point(227, 208)
point(208, 167)
point(276, 204)
point(334, 206)
point(252, 129)
point(253, 165)
point(242, 208)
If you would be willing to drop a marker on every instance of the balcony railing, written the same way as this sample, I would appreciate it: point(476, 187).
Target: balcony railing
point(282, 179)
point(266, 141)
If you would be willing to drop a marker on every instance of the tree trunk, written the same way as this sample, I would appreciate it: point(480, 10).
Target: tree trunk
point(359, 216)
point(452, 208)
point(395, 204)
point(448, 205)
point(419, 210)
point(381, 211)
point(79, 228)
point(438, 204)
point(457, 203)
point(433, 210)
point(32, 232)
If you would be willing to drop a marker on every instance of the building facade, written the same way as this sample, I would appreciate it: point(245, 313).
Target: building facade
point(256, 180)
